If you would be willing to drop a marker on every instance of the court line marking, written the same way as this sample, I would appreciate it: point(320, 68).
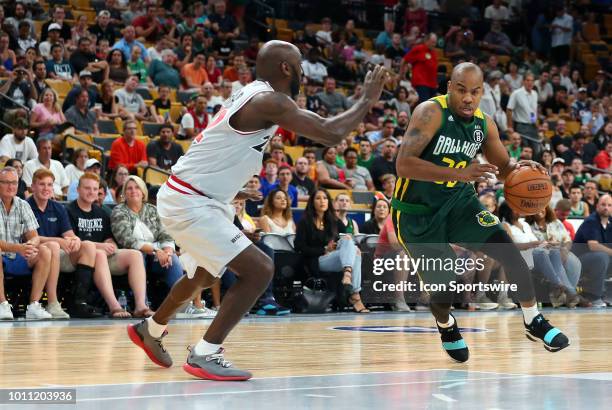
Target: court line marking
point(322, 396)
point(443, 397)
point(217, 393)
point(448, 386)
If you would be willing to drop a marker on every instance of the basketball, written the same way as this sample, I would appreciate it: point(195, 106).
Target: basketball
point(527, 191)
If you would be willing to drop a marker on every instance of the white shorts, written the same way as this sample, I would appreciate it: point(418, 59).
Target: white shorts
point(203, 228)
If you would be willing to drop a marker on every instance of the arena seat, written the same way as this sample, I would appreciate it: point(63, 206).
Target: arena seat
point(151, 129)
point(154, 175)
point(108, 127)
point(294, 152)
point(105, 141)
point(61, 87)
point(277, 242)
point(185, 144)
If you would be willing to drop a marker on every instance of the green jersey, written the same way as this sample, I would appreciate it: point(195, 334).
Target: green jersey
point(455, 145)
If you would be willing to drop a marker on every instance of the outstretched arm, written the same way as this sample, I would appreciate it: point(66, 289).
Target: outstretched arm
point(423, 125)
point(278, 108)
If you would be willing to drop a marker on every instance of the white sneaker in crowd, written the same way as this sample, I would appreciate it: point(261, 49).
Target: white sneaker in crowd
point(505, 302)
point(56, 311)
point(5, 311)
point(35, 311)
point(193, 312)
point(484, 303)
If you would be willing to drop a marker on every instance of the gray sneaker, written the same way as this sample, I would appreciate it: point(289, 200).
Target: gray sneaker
point(213, 367)
point(154, 348)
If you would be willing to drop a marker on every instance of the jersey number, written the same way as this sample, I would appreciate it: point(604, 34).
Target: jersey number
point(260, 147)
point(451, 164)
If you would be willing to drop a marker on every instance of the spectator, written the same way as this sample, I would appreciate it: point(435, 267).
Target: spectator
point(76, 169)
point(160, 109)
point(357, 177)
point(67, 250)
point(20, 15)
point(128, 41)
point(276, 214)
point(580, 104)
point(22, 189)
point(163, 73)
point(84, 60)
point(80, 29)
point(562, 211)
point(544, 87)
point(497, 11)
point(47, 115)
point(60, 185)
point(591, 196)
point(567, 176)
point(90, 223)
point(130, 100)
point(498, 42)
point(603, 160)
point(103, 29)
point(513, 78)
point(388, 185)
point(57, 66)
point(592, 246)
point(223, 47)
point(580, 177)
point(18, 145)
point(106, 106)
point(546, 227)
point(284, 183)
point(378, 138)
point(424, 62)
point(522, 112)
point(604, 135)
point(395, 52)
point(223, 22)
point(195, 120)
point(599, 87)
point(328, 173)
point(318, 240)
point(313, 69)
point(579, 149)
point(212, 100)
point(117, 66)
point(138, 68)
point(21, 251)
point(526, 153)
point(324, 35)
point(378, 216)
point(402, 125)
point(415, 16)
point(515, 147)
point(578, 207)
point(214, 73)
point(44, 47)
point(79, 115)
point(230, 72)
point(40, 76)
point(136, 225)
point(305, 186)
point(561, 34)
point(59, 14)
point(147, 26)
point(561, 141)
point(194, 74)
point(403, 100)
point(85, 82)
point(20, 88)
point(384, 37)
point(385, 164)
point(118, 179)
point(331, 99)
point(93, 166)
point(127, 150)
point(365, 154)
point(342, 205)
point(244, 78)
point(163, 152)
point(559, 103)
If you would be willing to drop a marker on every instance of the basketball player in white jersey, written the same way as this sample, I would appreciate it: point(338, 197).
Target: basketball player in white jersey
point(195, 204)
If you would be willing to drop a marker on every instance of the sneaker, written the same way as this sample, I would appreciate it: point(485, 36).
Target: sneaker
point(213, 367)
point(541, 331)
point(153, 347)
point(193, 312)
point(56, 311)
point(505, 302)
point(400, 306)
point(271, 308)
point(35, 311)
point(452, 342)
point(484, 303)
point(84, 311)
point(599, 303)
point(5, 311)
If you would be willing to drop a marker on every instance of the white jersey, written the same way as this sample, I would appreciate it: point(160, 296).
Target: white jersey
point(221, 159)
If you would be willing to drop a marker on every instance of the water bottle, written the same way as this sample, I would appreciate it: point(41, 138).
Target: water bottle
point(123, 300)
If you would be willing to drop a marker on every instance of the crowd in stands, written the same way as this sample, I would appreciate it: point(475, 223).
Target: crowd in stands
point(97, 97)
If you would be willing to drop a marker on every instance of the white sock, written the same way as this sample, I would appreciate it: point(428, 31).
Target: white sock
point(451, 321)
point(529, 313)
point(204, 348)
point(155, 329)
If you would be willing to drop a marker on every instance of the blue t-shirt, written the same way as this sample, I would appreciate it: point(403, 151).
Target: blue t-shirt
point(592, 230)
point(53, 222)
point(62, 69)
point(292, 191)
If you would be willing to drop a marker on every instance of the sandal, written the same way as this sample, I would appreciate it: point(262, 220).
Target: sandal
point(347, 288)
point(119, 314)
point(354, 302)
point(143, 313)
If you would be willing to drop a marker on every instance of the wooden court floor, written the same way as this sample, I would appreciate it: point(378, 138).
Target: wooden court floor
point(88, 352)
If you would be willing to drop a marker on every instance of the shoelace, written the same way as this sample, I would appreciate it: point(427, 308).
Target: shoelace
point(159, 341)
point(218, 357)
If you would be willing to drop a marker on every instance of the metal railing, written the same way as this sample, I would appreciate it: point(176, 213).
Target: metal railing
point(87, 143)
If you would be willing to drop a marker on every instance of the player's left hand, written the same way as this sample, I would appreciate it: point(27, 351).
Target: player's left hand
point(533, 164)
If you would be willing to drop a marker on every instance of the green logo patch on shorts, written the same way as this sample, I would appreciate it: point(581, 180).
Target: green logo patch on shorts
point(486, 218)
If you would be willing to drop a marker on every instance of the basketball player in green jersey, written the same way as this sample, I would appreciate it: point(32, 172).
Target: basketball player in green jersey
point(435, 204)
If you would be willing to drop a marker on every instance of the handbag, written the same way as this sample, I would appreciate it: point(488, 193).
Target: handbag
point(314, 297)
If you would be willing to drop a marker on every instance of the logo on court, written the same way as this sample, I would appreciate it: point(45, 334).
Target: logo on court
point(478, 136)
point(486, 219)
point(404, 329)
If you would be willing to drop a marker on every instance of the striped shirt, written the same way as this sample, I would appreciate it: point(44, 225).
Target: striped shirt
point(14, 224)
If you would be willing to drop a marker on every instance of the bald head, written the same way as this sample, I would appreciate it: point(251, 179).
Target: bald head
point(463, 69)
point(271, 56)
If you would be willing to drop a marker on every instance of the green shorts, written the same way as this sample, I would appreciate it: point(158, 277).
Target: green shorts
point(427, 234)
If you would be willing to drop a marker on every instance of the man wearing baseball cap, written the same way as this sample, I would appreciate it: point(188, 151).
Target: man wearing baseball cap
point(86, 82)
point(91, 165)
point(53, 32)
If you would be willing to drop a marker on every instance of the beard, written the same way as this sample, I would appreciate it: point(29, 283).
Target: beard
point(295, 83)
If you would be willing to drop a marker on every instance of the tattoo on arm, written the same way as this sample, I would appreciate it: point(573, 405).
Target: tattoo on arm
point(414, 142)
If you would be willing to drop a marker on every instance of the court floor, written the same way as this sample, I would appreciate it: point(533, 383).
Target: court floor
point(339, 361)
